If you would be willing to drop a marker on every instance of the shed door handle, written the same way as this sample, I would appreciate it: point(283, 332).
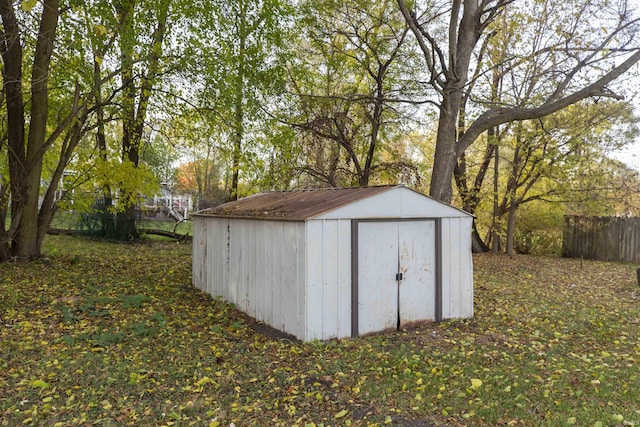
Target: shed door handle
point(398, 276)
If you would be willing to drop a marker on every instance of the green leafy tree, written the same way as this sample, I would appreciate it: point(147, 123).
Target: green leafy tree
point(127, 43)
point(560, 159)
point(201, 171)
point(349, 89)
point(239, 62)
point(138, 79)
point(160, 156)
point(560, 55)
point(40, 118)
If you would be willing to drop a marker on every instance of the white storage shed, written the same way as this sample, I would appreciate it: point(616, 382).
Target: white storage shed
point(340, 262)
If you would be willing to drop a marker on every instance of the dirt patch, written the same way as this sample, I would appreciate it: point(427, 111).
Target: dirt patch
point(264, 329)
point(270, 332)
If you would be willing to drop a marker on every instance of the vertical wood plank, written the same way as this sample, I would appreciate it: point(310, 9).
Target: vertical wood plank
point(602, 238)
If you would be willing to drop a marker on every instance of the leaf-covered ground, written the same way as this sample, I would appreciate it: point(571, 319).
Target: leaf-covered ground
point(107, 334)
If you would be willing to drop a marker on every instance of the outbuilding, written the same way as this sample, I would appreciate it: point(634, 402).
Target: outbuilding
point(338, 262)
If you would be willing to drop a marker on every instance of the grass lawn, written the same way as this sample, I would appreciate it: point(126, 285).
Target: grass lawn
point(185, 227)
point(106, 334)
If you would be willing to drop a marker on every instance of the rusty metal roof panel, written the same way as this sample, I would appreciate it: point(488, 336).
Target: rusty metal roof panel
point(297, 205)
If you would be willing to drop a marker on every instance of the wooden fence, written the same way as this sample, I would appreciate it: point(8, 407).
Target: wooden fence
point(602, 238)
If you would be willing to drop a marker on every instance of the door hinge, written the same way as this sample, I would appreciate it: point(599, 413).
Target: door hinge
point(398, 276)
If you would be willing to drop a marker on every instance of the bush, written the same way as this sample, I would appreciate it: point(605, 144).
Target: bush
point(539, 228)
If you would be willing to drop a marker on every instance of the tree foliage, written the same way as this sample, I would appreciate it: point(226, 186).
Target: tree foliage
point(561, 158)
point(39, 119)
point(350, 92)
point(553, 60)
point(263, 94)
point(242, 50)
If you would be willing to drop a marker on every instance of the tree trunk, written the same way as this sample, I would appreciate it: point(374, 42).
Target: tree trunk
point(73, 138)
point(511, 228)
point(495, 221)
point(477, 244)
point(237, 147)
point(133, 118)
point(26, 239)
point(511, 197)
point(11, 49)
point(462, 37)
point(445, 157)
point(25, 161)
point(238, 125)
point(376, 123)
point(107, 221)
point(125, 228)
point(471, 196)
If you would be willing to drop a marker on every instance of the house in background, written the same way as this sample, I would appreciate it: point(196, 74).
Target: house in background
point(334, 263)
point(168, 204)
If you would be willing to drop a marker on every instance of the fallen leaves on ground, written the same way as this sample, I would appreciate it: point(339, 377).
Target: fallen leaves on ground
point(109, 334)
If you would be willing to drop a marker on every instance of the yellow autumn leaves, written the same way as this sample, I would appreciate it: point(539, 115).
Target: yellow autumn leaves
point(115, 334)
point(476, 383)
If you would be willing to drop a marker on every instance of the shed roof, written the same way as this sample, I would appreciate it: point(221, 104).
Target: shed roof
point(296, 205)
point(300, 205)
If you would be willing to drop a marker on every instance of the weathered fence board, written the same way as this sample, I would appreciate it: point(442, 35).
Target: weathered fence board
point(602, 238)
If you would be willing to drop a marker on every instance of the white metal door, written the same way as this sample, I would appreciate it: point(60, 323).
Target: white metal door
point(396, 274)
point(418, 267)
point(377, 268)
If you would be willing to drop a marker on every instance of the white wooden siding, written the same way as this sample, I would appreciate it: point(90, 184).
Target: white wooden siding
point(215, 259)
point(293, 269)
point(328, 302)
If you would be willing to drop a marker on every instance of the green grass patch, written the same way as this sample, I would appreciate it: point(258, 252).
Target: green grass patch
point(114, 334)
point(184, 228)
